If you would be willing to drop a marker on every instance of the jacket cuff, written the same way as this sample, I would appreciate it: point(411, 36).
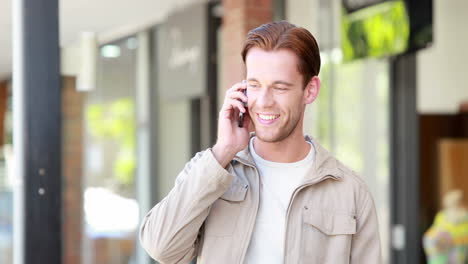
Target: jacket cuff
point(221, 175)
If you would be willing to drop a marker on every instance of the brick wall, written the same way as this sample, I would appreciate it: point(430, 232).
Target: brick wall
point(240, 16)
point(72, 153)
point(3, 108)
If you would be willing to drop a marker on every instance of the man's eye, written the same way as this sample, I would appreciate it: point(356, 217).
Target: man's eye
point(281, 88)
point(253, 85)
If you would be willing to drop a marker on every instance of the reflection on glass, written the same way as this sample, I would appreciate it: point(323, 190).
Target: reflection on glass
point(6, 180)
point(352, 120)
point(362, 123)
point(6, 214)
point(111, 211)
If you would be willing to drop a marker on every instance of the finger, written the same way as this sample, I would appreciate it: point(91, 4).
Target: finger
point(237, 87)
point(236, 104)
point(231, 108)
point(238, 95)
point(228, 102)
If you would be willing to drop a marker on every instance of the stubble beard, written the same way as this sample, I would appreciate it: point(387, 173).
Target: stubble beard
point(283, 133)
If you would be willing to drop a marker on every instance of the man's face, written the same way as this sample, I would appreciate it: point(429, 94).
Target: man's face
point(275, 93)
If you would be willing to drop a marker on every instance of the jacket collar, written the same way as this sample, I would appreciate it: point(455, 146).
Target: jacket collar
point(324, 163)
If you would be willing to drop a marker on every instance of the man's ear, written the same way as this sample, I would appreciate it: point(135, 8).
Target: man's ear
point(312, 90)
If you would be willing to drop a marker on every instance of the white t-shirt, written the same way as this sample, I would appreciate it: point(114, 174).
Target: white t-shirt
point(278, 182)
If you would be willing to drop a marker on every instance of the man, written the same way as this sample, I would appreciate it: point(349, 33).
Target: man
point(273, 196)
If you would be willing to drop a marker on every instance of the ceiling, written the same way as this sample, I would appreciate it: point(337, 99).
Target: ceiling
point(110, 19)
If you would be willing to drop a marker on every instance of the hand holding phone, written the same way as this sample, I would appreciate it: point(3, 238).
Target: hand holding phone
point(233, 134)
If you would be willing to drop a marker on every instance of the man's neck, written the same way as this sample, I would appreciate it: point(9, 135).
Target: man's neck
point(291, 149)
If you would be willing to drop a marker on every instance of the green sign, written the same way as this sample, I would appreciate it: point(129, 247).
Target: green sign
point(375, 31)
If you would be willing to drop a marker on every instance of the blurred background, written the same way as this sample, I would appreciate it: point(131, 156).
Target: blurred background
point(103, 102)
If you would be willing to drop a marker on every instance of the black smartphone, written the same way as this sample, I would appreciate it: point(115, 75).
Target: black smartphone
point(241, 115)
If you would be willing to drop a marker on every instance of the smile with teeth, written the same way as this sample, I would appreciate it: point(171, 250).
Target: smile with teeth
point(268, 117)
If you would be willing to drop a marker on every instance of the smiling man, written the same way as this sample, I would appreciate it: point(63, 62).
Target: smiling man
point(272, 196)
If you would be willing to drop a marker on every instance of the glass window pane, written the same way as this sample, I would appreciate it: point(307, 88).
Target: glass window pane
point(361, 123)
point(6, 178)
point(111, 211)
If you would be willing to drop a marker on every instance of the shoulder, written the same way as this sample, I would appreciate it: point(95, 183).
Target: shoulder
point(357, 186)
point(348, 188)
point(352, 178)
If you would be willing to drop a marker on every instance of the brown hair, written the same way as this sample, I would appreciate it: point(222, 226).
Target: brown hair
point(284, 35)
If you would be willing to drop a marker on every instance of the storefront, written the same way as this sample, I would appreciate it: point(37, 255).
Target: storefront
point(157, 98)
point(153, 108)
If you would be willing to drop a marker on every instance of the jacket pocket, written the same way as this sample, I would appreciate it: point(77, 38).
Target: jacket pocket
point(224, 213)
point(331, 223)
point(327, 236)
point(236, 191)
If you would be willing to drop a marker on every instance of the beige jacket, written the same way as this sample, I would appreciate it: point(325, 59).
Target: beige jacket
point(210, 213)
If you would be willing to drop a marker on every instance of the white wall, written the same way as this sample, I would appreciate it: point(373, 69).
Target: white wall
point(442, 70)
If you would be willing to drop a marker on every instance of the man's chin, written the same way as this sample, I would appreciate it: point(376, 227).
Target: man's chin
point(273, 134)
point(268, 137)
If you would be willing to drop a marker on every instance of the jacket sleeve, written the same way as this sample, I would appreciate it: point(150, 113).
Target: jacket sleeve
point(365, 247)
point(169, 231)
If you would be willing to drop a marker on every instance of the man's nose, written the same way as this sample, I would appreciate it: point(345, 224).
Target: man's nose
point(265, 98)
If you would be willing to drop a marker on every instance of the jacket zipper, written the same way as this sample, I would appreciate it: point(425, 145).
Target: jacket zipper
point(297, 190)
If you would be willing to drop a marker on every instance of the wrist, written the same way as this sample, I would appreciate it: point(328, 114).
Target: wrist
point(223, 154)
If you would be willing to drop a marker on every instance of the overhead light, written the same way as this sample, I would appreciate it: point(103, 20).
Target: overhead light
point(110, 51)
